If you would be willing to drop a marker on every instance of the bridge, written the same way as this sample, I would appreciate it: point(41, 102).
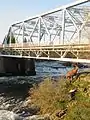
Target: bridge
point(60, 34)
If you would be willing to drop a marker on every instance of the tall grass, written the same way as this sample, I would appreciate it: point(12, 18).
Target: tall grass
point(52, 96)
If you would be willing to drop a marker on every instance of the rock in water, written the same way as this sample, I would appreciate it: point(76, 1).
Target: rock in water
point(38, 117)
point(7, 115)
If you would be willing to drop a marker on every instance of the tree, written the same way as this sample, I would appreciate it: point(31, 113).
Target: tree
point(8, 39)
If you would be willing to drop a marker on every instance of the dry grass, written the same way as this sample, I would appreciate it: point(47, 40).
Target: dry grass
point(52, 96)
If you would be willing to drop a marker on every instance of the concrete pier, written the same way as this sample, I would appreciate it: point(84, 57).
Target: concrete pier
point(11, 66)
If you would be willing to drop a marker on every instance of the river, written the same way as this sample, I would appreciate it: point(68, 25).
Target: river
point(14, 90)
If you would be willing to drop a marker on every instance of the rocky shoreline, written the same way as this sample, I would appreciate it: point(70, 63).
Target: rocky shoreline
point(15, 105)
point(13, 102)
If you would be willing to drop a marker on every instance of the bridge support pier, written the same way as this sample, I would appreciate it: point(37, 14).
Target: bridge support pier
point(11, 66)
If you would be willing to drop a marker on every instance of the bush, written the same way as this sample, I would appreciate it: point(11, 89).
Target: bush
point(50, 96)
point(53, 96)
point(79, 112)
point(79, 109)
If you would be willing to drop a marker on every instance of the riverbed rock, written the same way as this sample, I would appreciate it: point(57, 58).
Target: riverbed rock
point(28, 111)
point(61, 113)
point(38, 117)
point(8, 115)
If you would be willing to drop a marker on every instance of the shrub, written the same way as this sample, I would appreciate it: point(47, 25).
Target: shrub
point(50, 96)
point(79, 112)
point(53, 96)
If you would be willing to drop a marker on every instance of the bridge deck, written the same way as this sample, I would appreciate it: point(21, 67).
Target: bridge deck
point(29, 46)
point(53, 52)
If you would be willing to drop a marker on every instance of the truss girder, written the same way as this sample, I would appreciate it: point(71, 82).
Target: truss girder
point(49, 52)
point(65, 25)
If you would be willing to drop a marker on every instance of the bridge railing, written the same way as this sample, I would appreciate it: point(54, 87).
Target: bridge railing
point(42, 46)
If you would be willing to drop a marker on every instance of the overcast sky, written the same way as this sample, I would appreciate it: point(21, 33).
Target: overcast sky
point(12, 11)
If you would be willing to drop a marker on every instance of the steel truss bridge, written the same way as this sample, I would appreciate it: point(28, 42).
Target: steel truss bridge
point(61, 34)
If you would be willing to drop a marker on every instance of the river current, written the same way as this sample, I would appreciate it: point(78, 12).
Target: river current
point(14, 90)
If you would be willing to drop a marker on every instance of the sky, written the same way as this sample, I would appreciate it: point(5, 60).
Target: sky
point(12, 11)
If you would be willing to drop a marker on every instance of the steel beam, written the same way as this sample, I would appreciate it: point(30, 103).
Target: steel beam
point(43, 32)
point(63, 26)
point(78, 2)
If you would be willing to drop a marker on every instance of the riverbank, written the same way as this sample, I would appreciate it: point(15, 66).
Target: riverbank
point(63, 100)
point(54, 100)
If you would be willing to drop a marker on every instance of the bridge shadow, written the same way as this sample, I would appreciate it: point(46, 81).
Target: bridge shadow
point(15, 87)
point(13, 93)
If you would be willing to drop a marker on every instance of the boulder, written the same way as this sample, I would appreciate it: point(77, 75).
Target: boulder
point(72, 94)
point(61, 113)
point(38, 117)
point(8, 115)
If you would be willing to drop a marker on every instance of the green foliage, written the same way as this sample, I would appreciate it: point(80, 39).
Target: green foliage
point(78, 112)
point(80, 108)
point(12, 39)
point(52, 96)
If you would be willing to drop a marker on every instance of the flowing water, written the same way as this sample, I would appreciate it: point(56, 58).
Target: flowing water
point(14, 90)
